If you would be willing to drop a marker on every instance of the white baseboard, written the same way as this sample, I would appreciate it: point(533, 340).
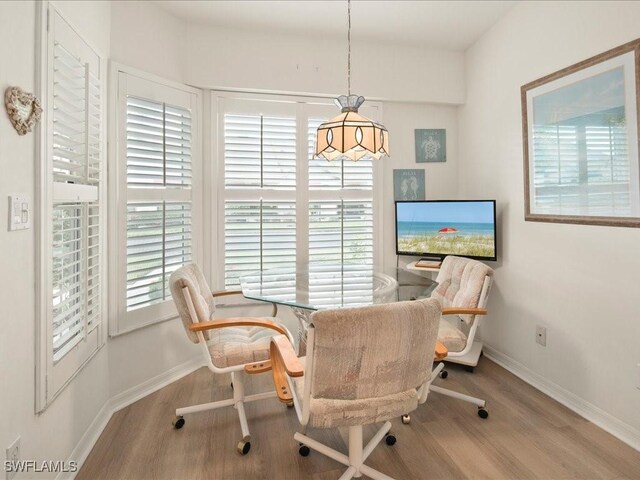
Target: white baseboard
point(118, 402)
point(153, 384)
point(596, 415)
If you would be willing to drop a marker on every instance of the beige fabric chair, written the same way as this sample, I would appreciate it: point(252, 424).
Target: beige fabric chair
point(231, 345)
point(362, 367)
point(463, 289)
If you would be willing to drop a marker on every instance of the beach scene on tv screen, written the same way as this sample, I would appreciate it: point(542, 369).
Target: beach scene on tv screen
point(452, 228)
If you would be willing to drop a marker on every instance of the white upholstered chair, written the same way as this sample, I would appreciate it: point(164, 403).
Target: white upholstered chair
point(237, 346)
point(363, 365)
point(463, 289)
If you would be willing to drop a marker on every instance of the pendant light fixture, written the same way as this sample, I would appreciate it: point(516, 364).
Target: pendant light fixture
point(350, 135)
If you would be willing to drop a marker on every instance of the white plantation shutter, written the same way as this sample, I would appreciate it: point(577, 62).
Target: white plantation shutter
point(68, 303)
point(260, 151)
point(76, 274)
point(281, 207)
point(159, 179)
point(258, 235)
point(260, 173)
point(158, 243)
point(341, 232)
point(357, 231)
point(71, 199)
point(76, 168)
point(158, 144)
point(158, 233)
point(76, 120)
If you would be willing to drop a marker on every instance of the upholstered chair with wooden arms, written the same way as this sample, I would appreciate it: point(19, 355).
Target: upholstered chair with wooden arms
point(363, 366)
point(463, 289)
point(237, 346)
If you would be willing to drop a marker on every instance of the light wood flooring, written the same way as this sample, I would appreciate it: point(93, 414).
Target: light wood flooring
point(527, 436)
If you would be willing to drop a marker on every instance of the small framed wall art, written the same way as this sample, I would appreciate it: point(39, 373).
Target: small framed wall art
point(431, 145)
point(23, 109)
point(408, 184)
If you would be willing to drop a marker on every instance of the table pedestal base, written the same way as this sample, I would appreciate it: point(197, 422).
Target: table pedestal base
point(302, 315)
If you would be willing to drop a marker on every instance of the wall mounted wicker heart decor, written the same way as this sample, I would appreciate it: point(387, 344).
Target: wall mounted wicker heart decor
point(23, 109)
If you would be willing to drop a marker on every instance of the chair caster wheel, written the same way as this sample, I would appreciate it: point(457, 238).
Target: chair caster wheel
point(289, 404)
point(406, 419)
point(483, 413)
point(304, 451)
point(390, 439)
point(178, 422)
point(444, 374)
point(243, 447)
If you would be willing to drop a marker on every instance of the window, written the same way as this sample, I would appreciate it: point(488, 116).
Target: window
point(280, 207)
point(71, 197)
point(158, 178)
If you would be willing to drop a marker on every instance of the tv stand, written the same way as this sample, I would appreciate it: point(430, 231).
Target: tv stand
point(434, 268)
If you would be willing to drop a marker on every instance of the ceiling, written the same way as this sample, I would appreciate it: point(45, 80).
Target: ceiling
point(450, 25)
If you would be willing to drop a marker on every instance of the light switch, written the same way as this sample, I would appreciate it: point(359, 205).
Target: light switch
point(19, 212)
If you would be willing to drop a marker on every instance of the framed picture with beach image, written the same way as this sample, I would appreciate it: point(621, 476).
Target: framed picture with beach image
point(581, 135)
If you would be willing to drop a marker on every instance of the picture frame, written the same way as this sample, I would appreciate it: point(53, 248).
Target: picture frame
point(408, 184)
point(431, 145)
point(581, 140)
point(23, 109)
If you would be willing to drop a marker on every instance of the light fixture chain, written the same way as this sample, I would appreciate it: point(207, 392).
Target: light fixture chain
point(349, 43)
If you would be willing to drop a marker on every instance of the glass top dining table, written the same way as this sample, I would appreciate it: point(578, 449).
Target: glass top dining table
point(319, 287)
point(336, 286)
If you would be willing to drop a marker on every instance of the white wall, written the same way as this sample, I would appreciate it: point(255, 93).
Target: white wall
point(148, 38)
point(53, 434)
point(242, 59)
point(581, 282)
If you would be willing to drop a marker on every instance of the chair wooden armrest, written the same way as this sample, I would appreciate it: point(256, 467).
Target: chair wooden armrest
point(282, 349)
point(237, 322)
point(463, 311)
point(441, 352)
point(283, 362)
point(257, 367)
point(224, 293)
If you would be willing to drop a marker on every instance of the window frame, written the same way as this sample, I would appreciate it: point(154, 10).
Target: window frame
point(159, 89)
point(303, 107)
point(52, 377)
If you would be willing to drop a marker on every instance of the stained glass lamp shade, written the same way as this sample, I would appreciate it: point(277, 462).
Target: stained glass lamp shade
point(350, 135)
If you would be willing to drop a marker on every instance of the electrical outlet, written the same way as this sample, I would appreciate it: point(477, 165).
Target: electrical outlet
point(13, 456)
point(541, 335)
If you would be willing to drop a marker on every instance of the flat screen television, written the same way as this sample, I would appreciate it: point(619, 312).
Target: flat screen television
point(437, 228)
